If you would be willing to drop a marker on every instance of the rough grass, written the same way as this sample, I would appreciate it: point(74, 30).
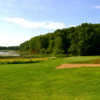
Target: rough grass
point(21, 60)
point(41, 81)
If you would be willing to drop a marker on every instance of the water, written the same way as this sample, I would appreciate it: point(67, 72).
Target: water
point(9, 53)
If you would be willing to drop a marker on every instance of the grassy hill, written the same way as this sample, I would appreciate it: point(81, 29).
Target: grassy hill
point(41, 81)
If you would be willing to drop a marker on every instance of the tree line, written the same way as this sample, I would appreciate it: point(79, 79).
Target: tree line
point(81, 40)
point(9, 48)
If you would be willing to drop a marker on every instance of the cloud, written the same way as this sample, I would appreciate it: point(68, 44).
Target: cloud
point(97, 7)
point(29, 24)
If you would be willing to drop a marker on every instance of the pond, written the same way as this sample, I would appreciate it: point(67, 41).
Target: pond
point(9, 53)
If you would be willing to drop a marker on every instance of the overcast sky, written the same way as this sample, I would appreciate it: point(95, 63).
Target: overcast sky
point(21, 20)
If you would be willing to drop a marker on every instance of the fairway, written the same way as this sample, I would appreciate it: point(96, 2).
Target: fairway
point(41, 81)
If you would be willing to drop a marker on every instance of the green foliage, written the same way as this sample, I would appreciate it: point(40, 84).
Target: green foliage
point(51, 46)
point(80, 40)
point(43, 51)
point(58, 46)
point(84, 40)
point(9, 48)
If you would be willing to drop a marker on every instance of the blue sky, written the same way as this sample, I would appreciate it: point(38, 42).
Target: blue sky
point(21, 20)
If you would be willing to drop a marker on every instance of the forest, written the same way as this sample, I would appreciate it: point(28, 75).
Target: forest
point(77, 41)
point(9, 48)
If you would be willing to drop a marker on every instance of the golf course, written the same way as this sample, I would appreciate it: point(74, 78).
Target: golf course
point(42, 81)
point(49, 49)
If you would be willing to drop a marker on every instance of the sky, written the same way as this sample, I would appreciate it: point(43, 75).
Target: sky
point(20, 20)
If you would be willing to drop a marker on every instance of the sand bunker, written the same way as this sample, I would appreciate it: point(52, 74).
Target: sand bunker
point(77, 65)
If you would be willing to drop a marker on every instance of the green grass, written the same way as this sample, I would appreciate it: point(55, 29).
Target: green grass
point(41, 81)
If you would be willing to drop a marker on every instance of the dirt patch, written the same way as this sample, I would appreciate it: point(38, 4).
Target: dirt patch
point(77, 65)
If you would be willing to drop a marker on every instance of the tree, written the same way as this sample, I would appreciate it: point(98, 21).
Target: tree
point(51, 46)
point(58, 46)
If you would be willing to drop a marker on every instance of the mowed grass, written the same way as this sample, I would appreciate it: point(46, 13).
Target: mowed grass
point(41, 81)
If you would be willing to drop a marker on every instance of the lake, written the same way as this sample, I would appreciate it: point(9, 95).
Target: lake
point(9, 53)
